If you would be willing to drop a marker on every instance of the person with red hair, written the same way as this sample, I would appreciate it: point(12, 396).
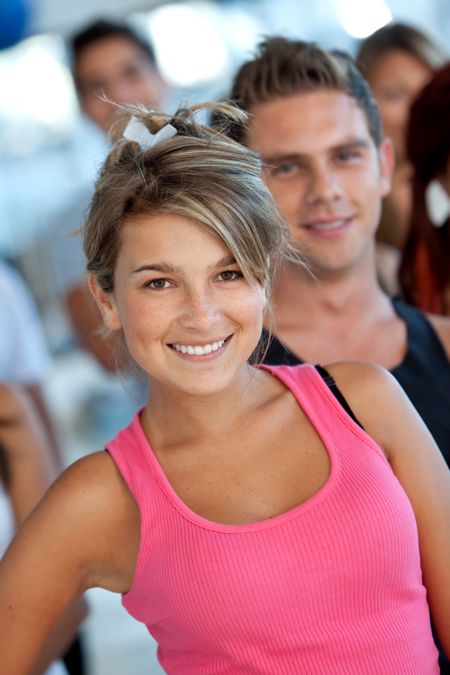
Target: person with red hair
point(425, 266)
point(398, 60)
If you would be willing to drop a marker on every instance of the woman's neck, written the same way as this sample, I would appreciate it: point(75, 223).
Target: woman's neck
point(172, 416)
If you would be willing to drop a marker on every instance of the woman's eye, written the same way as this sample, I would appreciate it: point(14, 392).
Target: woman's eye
point(230, 275)
point(158, 284)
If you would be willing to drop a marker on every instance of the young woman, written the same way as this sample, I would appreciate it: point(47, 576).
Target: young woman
point(397, 61)
point(425, 267)
point(256, 519)
point(26, 471)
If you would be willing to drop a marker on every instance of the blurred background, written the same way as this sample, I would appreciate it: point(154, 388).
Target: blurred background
point(49, 156)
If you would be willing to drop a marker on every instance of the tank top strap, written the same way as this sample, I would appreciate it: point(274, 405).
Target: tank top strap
point(424, 344)
point(321, 406)
point(130, 452)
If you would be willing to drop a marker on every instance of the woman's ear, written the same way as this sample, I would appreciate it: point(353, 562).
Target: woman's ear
point(106, 303)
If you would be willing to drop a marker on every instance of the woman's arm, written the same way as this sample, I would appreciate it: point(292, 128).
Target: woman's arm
point(84, 533)
point(388, 416)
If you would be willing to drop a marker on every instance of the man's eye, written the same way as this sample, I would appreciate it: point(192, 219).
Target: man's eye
point(230, 275)
point(92, 88)
point(348, 155)
point(285, 169)
point(132, 72)
point(158, 284)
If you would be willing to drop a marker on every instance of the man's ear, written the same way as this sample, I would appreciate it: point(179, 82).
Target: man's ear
point(106, 304)
point(387, 162)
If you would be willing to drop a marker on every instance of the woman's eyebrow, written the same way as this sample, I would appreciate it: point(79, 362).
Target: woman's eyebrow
point(223, 262)
point(167, 268)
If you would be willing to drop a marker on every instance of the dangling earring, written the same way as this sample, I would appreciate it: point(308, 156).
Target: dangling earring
point(437, 201)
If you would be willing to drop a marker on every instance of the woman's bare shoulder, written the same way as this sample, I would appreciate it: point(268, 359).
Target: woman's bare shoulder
point(93, 480)
point(89, 519)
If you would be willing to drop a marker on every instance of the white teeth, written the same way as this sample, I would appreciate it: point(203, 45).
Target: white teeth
point(199, 350)
point(331, 225)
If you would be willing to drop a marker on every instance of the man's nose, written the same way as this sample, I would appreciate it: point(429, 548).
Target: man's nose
point(121, 91)
point(324, 185)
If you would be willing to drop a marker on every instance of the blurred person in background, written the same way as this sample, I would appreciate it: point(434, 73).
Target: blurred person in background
point(25, 358)
point(425, 267)
point(109, 61)
point(397, 60)
point(27, 468)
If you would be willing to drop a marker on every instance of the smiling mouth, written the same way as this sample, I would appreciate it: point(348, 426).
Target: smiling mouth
point(325, 225)
point(199, 350)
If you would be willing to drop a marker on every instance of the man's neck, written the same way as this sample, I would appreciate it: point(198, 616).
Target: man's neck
point(340, 317)
point(302, 297)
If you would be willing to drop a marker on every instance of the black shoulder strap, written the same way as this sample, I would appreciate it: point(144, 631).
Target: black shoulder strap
point(423, 341)
point(331, 384)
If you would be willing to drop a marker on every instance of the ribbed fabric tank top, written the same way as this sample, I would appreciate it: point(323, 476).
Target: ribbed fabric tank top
point(332, 586)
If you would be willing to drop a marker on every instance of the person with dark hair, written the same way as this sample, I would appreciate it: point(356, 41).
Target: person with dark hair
point(425, 267)
point(397, 60)
point(112, 61)
point(252, 517)
point(314, 122)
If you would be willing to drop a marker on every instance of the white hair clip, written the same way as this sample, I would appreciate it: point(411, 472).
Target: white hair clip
point(138, 132)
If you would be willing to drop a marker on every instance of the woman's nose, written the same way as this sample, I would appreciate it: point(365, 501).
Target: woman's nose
point(200, 310)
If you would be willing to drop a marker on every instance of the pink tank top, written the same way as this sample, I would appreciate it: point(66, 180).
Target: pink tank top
point(332, 586)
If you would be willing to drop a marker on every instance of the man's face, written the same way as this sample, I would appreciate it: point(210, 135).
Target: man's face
point(325, 174)
point(120, 70)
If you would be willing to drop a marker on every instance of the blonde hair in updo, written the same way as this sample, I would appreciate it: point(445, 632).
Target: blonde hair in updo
point(199, 173)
